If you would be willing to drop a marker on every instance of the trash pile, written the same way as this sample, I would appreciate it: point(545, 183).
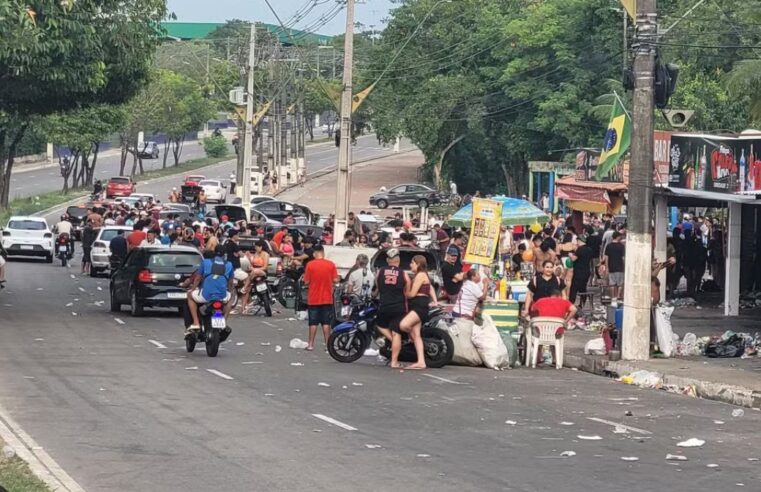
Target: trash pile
point(749, 300)
point(729, 344)
point(682, 302)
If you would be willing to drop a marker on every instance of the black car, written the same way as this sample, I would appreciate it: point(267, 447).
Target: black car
point(276, 210)
point(406, 194)
point(151, 277)
point(77, 215)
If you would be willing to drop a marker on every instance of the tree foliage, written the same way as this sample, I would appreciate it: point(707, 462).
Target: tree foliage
point(57, 56)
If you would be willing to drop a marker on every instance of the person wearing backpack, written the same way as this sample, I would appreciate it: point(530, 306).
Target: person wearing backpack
point(542, 285)
point(213, 282)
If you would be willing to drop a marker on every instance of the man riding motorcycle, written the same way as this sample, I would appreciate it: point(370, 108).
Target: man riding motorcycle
point(213, 281)
point(64, 227)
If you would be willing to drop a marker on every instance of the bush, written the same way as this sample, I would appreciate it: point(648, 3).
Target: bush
point(215, 146)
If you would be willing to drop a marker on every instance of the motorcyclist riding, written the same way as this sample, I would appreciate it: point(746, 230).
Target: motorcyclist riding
point(213, 281)
point(64, 227)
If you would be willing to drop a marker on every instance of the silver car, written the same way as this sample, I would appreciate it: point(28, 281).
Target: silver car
point(100, 255)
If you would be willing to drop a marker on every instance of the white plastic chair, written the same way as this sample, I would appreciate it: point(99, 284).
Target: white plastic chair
point(543, 331)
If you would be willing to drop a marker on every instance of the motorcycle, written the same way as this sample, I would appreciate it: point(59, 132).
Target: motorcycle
point(349, 339)
point(262, 296)
point(63, 248)
point(214, 329)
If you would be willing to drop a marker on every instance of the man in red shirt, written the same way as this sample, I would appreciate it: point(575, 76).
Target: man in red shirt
point(137, 236)
point(320, 275)
point(553, 307)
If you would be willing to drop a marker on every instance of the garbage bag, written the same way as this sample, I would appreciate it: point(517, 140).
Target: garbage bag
point(664, 331)
point(733, 346)
point(465, 353)
point(595, 346)
point(512, 347)
point(489, 344)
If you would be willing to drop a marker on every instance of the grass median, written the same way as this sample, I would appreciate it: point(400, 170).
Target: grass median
point(43, 201)
point(15, 475)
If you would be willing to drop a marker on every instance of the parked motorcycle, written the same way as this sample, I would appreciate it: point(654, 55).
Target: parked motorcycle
point(214, 329)
point(261, 295)
point(63, 248)
point(349, 339)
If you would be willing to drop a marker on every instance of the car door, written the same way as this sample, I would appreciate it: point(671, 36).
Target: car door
point(415, 193)
point(396, 194)
point(124, 276)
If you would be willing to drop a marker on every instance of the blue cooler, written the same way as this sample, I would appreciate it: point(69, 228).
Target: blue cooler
point(619, 318)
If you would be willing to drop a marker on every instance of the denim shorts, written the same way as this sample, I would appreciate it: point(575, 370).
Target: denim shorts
point(320, 315)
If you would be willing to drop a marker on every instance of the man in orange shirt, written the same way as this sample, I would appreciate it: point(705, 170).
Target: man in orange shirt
point(278, 238)
point(320, 275)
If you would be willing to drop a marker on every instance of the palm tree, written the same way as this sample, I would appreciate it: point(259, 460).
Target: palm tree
point(745, 79)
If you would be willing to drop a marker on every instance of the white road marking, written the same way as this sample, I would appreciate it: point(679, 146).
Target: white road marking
point(622, 426)
point(40, 462)
point(268, 324)
point(220, 374)
point(82, 289)
point(442, 379)
point(119, 321)
point(158, 344)
point(334, 422)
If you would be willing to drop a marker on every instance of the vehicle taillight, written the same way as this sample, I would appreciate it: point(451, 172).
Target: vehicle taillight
point(345, 301)
point(145, 276)
point(279, 268)
point(216, 305)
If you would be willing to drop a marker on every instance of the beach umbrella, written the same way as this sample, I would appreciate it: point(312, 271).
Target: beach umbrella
point(515, 211)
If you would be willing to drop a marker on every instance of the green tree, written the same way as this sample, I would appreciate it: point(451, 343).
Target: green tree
point(82, 132)
point(56, 56)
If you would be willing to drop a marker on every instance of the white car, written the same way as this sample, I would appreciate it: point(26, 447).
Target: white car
point(144, 197)
point(100, 254)
point(28, 236)
point(215, 190)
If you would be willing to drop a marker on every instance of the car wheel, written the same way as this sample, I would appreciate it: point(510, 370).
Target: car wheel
point(49, 258)
point(115, 305)
point(423, 203)
point(382, 204)
point(136, 307)
point(93, 272)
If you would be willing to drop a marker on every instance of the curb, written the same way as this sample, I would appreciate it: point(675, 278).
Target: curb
point(709, 390)
point(40, 462)
point(326, 171)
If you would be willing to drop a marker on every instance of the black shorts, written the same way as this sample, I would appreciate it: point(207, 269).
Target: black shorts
point(320, 315)
point(86, 255)
point(387, 318)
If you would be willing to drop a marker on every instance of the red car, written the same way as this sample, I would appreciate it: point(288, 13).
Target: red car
point(120, 186)
point(194, 180)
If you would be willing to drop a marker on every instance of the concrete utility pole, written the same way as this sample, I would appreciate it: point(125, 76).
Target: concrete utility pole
point(343, 193)
point(248, 142)
point(636, 326)
point(283, 167)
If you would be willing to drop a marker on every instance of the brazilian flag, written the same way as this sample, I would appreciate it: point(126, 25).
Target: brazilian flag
point(618, 138)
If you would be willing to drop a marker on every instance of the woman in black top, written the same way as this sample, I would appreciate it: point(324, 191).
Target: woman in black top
point(542, 285)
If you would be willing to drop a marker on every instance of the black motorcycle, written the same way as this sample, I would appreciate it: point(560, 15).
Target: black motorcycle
point(261, 295)
point(63, 248)
point(350, 339)
point(214, 329)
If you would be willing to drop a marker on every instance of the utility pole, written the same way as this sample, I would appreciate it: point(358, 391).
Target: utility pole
point(343, 193)
point(636, 325)
point(248, 142)
point(283, 137)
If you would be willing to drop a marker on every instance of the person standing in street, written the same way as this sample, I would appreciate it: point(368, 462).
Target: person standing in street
point(613, 259)
point(391, 283)
point(319, 276)
point(582, 268)
point(89, 233)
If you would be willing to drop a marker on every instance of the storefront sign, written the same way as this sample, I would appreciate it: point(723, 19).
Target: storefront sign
point(586, 168)
point(704, 162)
point(484, 231)
point(661, 158)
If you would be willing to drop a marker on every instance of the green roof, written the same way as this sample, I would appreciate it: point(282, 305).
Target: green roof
point(201, 30)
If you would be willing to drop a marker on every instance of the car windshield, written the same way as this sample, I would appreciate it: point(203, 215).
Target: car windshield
point(108, 234)
point(27, 225)
point(178, 260)
point(120, 180)
point(76, 211)
point(209, 183)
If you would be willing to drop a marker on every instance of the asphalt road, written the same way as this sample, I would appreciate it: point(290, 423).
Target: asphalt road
point(120, 405)
point(319, 157)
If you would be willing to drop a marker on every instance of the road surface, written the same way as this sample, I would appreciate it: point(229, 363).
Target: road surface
point(120, 405)
point(318, 157)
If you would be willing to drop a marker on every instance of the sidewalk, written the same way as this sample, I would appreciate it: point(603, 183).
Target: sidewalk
point(736, 381)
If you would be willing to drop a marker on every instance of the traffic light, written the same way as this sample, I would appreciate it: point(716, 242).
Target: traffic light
point(665, 83)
